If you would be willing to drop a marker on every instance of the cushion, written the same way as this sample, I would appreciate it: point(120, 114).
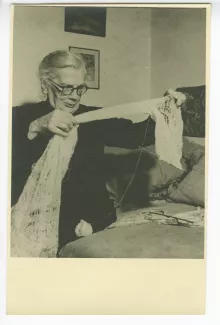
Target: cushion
point(152, 175)
point(161, 173)
point(193, 111)
point(191, 189)
point(139, 241)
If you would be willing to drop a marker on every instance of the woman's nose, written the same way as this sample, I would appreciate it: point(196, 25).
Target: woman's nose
point(74, 94)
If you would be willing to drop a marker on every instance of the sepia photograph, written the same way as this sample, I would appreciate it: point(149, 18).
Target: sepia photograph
point(108, 133)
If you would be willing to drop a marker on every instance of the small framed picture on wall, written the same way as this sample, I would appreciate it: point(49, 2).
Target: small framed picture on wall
point(91, 58)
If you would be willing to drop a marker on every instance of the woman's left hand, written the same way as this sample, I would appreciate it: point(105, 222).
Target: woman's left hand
point(179, 97)
point(83, 229)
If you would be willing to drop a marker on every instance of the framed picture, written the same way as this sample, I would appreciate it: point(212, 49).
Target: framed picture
point(92, 63)
point(86, 20)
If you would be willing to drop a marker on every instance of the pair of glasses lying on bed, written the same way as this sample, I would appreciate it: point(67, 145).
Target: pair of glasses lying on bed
point(180, 221)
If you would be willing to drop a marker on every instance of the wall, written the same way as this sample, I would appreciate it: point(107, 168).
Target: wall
point(125, 53)
point(177, 48)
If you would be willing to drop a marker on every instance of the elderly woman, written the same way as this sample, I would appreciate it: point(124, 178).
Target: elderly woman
point(85, 203)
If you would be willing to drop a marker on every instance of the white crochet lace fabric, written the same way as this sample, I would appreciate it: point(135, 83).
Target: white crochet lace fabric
point(169, 133)
point(35, 217)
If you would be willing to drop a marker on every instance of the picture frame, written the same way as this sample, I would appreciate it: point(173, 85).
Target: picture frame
point(86, 20)
point(91, 58)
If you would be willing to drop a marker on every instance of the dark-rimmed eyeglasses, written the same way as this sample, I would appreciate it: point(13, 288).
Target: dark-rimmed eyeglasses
point(68, 90)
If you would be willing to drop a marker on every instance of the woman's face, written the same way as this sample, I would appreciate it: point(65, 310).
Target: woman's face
point(65, 77)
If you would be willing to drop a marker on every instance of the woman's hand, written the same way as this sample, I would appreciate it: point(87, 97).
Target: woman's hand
point(57, 122)
point(83, 229)
point(179, 97)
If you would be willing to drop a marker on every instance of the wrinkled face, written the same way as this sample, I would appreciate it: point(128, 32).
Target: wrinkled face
point(67, 76)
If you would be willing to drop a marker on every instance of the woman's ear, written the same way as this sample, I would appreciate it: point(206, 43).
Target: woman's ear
point(44, 89)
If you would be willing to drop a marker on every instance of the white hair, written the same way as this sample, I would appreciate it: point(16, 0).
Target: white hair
point(59, 59)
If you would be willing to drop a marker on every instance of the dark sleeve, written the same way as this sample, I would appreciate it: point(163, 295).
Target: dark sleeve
point(125, 134)
point(25, 152)
point(104, 222)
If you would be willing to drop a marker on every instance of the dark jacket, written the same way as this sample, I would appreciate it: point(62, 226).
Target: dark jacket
point(84, 194)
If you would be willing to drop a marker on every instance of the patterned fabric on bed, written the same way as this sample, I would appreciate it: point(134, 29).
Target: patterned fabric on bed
point(193, 112)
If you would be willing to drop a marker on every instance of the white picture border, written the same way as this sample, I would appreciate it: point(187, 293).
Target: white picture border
point(213, 266)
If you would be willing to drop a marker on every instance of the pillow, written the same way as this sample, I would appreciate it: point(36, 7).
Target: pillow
point(191, 189)
point(161, 173)
point(152, 175)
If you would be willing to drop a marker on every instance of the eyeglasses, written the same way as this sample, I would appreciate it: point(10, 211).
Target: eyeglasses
point(67, 90)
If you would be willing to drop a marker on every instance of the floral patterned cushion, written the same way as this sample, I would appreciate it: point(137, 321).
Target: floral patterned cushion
point(193, 111)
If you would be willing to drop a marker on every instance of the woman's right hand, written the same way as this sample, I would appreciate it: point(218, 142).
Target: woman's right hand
point(57, 122)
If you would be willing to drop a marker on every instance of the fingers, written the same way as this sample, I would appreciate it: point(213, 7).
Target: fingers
point(78, 228)
point(65, 127)
point(64, 116)
point(83, 229)
point(61, 123)
point(179, 101)
point(57, 131)
point(61, 117)
point(178, 96)
point(75, 123)
point(172, 93)
point(181, 98)
point(86, 229)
